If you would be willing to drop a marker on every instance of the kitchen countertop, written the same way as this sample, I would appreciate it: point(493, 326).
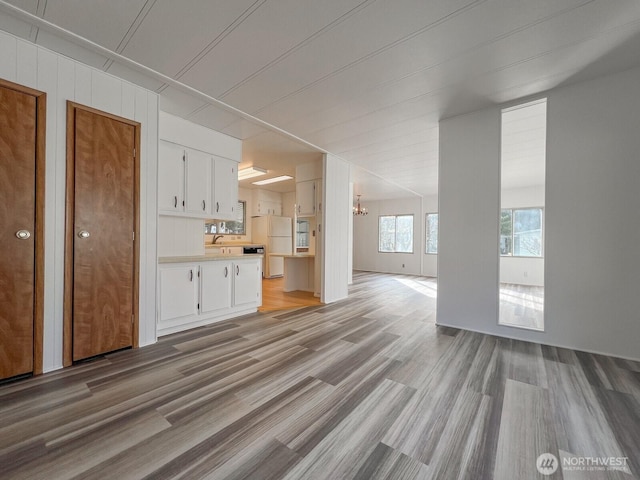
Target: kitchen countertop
point(230, 244)
point(292, 255)
point(207, 257)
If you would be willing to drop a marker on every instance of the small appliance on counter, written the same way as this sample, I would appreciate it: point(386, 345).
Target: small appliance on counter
point(253, 249)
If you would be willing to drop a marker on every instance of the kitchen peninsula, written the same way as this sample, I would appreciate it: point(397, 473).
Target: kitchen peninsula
point(299, 271)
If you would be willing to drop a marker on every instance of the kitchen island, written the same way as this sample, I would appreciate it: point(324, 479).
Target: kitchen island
point(299, 271)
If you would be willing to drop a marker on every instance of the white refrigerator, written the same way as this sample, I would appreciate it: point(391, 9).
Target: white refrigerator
point(275, 233)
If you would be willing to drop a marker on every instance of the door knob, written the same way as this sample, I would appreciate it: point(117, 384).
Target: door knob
point(84, 234)
point(23, 234)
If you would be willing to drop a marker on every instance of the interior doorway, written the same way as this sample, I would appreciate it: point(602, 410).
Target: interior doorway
point(22, 168)
point(102, 232)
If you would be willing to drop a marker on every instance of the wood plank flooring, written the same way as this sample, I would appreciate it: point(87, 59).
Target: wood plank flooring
point(275, 298)
point(367, 388)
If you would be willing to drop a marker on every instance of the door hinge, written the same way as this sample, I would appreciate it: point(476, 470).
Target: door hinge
point(184, 157)
point(198, 307)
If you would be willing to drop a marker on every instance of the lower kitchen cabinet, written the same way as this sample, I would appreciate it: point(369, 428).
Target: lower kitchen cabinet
point(180, 287)
point(215, 286)
point(196, 294)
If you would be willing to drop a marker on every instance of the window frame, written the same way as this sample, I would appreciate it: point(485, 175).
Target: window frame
point(426, 233)
point(217, 223)
point(395, 240)
point(542, 232)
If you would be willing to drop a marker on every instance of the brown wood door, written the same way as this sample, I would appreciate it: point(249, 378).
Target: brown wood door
point(17, 231)
point(103, 230)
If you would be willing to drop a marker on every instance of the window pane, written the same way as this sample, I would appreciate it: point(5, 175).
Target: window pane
point(404, 234)
point(387, 234)
point(432, 233)
point(527, 232)
point(506, 229)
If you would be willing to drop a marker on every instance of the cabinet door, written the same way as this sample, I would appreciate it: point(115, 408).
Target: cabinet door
point(306, 198)
point(170, 178)
point(198, 195)
point(215, 286)
point(178, 291)
point(247, 284)
point(225, 188)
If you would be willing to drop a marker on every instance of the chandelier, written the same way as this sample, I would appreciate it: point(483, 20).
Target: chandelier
point(358, 210)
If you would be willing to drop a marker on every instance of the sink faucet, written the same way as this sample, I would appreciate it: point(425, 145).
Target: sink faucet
point(215, 239)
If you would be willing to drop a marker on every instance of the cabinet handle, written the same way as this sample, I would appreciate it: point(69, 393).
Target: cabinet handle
point(237, 270)
point(217, 206)
point(175, 201)
point(226, 272)
point(204, 205)
point(191, 275)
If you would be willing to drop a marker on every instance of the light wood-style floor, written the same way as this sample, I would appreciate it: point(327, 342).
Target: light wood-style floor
point(274, 298)
point(367, 388)
point(522, 306)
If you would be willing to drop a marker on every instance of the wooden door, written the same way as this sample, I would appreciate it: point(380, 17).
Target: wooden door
point(103, 207)
point(17, 231)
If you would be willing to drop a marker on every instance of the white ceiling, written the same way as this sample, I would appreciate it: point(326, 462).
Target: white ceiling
point(367, 80)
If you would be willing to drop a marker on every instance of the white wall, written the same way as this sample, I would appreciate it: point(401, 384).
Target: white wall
point(336, 214)
point(365, 238)
point(430, 260)
point(592, 216)
point(64, 79)
point(523, 271)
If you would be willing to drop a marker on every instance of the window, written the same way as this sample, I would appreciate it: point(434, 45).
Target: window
point(395, 233)
point(229, 227)
point(521, 232)
point(432, 233)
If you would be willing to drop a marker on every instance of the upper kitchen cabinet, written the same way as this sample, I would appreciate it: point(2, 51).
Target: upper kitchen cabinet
point(171, 159)
point(199, 196)
point(266, 202)
point(197, 170)
point(185, 177)
point(306, 198)
point(225, 192)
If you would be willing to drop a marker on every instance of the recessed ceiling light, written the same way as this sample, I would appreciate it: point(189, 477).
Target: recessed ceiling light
point(281, 178)
point(251, 172)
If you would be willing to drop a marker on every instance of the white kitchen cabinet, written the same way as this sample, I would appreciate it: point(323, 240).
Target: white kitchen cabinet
point(197, 294)
point(199, 179)
point(247, 282)
point(266, 202)
point(196, 184)
point(306, 198)
point(215, 286)
point(225, 191)
point(178, 285)
point(171, 160)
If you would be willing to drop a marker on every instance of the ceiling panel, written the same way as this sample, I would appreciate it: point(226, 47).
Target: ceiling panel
point(213, 117)
point(174, 33)
point(270, 32)
point(105, 22)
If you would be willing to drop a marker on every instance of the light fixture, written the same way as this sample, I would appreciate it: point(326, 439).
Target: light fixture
point(281, 178)
point(358, 210)
point(250, 172)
